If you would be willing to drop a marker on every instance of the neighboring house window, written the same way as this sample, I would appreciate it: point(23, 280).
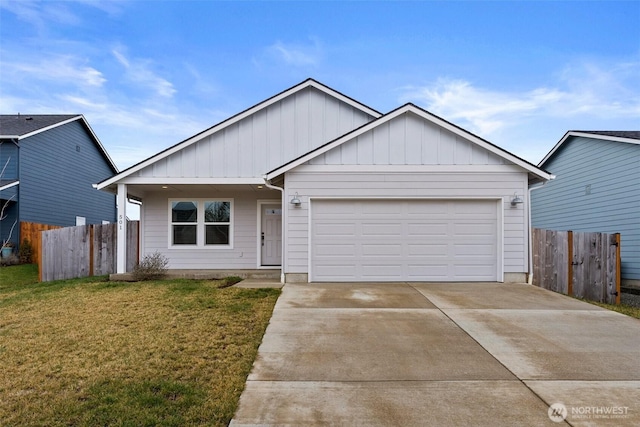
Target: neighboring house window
point(80, 220)
point(201, 223)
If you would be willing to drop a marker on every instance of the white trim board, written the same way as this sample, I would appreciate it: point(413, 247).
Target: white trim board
point(578, 134)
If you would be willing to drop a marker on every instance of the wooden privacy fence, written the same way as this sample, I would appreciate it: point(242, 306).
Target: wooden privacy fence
point(31, 231)
point(584, 265)
point(86, 250)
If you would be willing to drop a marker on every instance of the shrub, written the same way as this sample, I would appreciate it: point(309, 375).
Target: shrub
point(152, 267)
point(25, 253)
point(9, 260)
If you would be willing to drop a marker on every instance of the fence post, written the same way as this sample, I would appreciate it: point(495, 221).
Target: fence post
point(91, 263)
point(570, 262)
point(618, 268)
point(40, 266)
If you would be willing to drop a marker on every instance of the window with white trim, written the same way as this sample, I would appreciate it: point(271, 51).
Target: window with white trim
point(201, 223)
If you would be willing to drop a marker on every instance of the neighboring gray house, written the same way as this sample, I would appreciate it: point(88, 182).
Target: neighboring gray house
point(50, 163)
point(323, 188)
point(597, 189)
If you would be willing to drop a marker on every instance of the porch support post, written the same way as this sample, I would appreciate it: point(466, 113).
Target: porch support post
point(121, 260)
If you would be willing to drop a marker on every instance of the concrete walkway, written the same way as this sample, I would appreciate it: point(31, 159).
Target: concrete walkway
point(481, 354)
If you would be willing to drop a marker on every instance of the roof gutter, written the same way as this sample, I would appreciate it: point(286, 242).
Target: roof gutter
point(267, 183)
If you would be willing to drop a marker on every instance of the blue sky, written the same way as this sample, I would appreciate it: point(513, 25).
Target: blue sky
point(148, 74)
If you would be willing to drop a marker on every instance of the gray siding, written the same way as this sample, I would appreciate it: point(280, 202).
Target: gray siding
point(499, 181)
point(612, 202)
point(243, 255)
point(57, 170)
point(263, 141)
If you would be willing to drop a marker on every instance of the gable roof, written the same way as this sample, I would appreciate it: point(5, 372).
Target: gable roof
point(21, 126)
point(17, 126)
point(538, 173)
point(235, 119)
point(629, 137)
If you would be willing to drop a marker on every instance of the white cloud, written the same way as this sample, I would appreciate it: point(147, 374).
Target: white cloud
point(139, 72)
point(297, 54)
point(62, 69)
point(585, 95)
point(42, 14)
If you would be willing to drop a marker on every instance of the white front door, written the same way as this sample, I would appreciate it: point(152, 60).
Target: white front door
point(271, 235)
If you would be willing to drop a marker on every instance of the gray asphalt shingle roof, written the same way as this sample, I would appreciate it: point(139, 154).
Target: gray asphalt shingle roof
point(22, 124)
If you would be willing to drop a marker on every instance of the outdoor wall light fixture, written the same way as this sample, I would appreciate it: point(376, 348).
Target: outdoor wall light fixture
point(516, 200)
point(296, 201)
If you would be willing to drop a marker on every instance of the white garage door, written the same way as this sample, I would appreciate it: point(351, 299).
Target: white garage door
point(404, 240)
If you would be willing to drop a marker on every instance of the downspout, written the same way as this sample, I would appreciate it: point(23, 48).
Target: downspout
point(268, 184)
point(536, 187)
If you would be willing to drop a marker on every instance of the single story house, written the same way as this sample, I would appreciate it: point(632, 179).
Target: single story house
point(323, 188)
point(597, 190)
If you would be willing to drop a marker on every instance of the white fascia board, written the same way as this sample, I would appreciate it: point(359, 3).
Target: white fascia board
point(44, 129)
point(187, 181)
point(235, 119)
point(484, 144)
point(411, 169)
point(100, 146)
point(350, 101)
point(9, 185)
point(9, 137)
point(423, 114)
point(86, 124)
point(586, 135)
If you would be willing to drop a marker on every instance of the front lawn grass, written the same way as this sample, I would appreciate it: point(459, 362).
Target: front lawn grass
point(620, 308)
point(94, 352)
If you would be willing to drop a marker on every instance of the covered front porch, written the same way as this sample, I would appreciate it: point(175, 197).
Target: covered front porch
point(206, 230)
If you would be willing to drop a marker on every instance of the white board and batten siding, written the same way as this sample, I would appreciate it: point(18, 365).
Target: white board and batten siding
point(413, 163)
point(155, 215)
point(262, 141)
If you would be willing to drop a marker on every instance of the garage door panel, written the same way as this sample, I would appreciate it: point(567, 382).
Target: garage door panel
point(480, 271)
point(478, 250)
point(438, 228)
point(395, 240)
point(381, 272)
point(336, 250)
point(381, 229)
point(381, 249)
point(433, 250)
point(380, 209)
point(334, 229)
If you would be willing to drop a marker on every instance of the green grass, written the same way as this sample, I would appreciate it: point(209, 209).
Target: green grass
point(620, 308)
point(18, 275)
point(91, 352)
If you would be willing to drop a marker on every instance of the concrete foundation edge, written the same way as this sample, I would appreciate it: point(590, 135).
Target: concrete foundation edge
point(630, 284)
point(304, 278)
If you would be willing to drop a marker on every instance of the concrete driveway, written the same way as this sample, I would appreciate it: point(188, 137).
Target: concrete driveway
point(405, 354)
